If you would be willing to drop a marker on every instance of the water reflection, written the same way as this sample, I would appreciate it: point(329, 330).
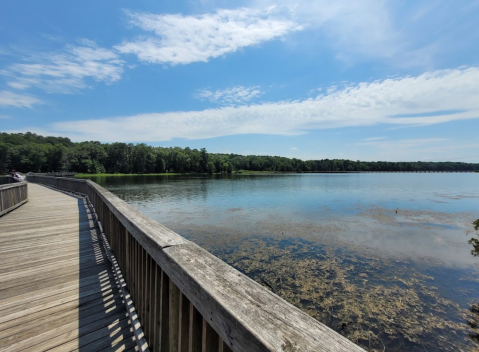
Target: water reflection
point(382, 259)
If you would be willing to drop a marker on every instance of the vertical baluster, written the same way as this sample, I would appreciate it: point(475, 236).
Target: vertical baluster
point(226, 348)
point(210, 338)
point(157, 310)
point(184, 324)
point(195, 330)
point(146, 290)
point(151, 298)
point(126, 273)
point(165, 313)
point(136, 270)
point(141, 283)
point(174, 316)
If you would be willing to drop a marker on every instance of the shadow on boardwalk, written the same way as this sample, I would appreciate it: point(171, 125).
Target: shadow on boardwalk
point(57, 289)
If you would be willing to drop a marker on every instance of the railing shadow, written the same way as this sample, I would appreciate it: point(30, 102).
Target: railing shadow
point(103, 322)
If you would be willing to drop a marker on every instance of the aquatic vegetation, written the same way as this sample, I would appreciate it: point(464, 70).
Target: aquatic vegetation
point(374, 302)
point(382, 260)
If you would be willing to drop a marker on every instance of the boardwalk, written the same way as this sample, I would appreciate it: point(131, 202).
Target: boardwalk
point(57, 290)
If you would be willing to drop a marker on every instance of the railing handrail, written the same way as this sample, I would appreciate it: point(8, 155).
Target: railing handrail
point(246, 316)
point(12, 185)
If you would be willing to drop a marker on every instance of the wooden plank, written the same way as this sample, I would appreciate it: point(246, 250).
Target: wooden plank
point(19, 286)
point(66, 333)
point(54, 290)
point(44, 262)
point(56, 285)
point(16, 317)
point(105, 337)
point(49, 295)
point(53, 321)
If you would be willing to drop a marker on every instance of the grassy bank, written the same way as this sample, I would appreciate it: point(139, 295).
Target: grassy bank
point(241, 172)
point(103, 175)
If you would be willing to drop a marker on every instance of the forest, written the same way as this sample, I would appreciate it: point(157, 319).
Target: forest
point(29, 152)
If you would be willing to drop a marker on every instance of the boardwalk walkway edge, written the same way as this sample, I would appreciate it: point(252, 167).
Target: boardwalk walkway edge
point(189, 300)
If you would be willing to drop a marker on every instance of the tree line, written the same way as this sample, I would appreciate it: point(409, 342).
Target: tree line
point(27, 152)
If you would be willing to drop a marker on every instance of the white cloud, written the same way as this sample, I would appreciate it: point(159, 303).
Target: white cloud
point(230, 96)
point(4, 116)
point(365, 28)
point(17, 100)
point(294, 148)
point(433, 97)
point(67, 71)
point(185, 39)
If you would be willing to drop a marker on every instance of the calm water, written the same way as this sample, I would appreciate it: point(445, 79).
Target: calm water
point(381, 258)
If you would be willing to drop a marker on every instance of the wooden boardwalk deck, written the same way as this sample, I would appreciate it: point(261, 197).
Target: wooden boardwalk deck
point(57, 289)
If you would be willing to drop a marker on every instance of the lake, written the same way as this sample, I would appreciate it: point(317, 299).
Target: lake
point(381, 258)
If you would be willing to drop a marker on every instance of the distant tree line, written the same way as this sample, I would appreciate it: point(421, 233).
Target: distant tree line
point(26, 152)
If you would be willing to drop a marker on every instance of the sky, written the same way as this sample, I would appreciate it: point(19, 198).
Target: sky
point(352, 79)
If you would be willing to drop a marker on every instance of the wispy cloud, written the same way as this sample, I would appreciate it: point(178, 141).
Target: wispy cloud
point(364, 104)
point(4, 116)
point(431, 149)
point(363, 28)
point(17, 100)
point(230, 96)
point(180, 39)
point(67, 71)
point(373, 139)
point(403, 143)
point(407, 34)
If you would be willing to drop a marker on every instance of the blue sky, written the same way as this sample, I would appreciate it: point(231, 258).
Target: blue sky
point(367, 80)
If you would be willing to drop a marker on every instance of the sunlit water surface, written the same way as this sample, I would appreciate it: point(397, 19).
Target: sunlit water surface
point(381, 258)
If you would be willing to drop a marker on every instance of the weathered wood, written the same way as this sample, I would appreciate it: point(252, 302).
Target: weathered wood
point(196, 330)
point(237, 313)
point(164, 313)
point(225, 297)
point(57, 289)
point(184, 324)
point(174, 323)
point(12, 196)
point(210, 338)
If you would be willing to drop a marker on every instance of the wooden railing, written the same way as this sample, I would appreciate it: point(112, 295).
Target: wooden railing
point(12, 196)
point(4, 180)
point(189, 300)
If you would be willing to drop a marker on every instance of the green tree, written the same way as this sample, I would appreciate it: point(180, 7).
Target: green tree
point(4, 157)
